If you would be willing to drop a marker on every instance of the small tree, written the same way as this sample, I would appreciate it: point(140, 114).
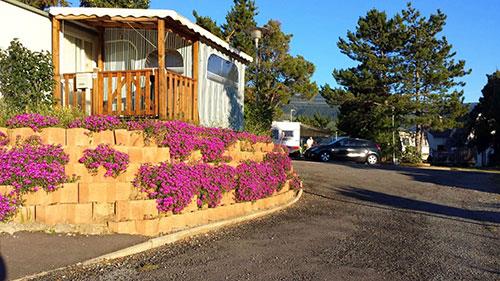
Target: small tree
point(131, 4)
point(43, 4)
point(26, 77)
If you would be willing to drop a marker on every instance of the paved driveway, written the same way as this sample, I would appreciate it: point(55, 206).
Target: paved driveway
point(353, 223)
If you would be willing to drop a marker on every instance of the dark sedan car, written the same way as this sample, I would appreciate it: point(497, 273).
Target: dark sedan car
point(344, 148)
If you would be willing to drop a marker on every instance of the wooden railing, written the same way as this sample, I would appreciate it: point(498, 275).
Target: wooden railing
point(181, 97)
point(71, 96)
point(136, 93)
point(126, 93)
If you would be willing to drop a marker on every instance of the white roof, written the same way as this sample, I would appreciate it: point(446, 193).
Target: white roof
point(150, 13)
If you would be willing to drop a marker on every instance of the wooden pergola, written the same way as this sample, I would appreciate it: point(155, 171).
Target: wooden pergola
point(175, 96)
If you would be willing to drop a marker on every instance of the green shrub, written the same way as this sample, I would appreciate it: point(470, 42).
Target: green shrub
point(26, 77)
point(410, 155)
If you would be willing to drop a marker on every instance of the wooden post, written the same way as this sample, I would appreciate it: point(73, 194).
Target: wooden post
point(162, 93)
point(100, 50)
point(56, 26)
point(196, 59)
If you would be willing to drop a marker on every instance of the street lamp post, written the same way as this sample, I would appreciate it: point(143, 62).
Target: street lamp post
point(256, 34)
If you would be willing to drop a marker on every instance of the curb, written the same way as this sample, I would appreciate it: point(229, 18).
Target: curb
point(170, 238)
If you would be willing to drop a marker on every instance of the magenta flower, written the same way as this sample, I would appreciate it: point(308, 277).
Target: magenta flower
point(34, 121)
point(115, 162)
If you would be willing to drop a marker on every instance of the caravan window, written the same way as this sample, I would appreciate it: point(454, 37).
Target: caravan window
point(173, 61)
point(221, 70)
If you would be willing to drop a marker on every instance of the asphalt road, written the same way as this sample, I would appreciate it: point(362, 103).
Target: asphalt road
point(353, 223)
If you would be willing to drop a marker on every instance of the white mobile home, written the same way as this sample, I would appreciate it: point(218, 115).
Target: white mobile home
point(141, 63)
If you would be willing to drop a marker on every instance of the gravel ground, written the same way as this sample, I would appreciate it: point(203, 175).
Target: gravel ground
point(353, 222)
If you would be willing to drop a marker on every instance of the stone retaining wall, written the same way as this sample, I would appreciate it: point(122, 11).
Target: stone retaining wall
point(112, 205)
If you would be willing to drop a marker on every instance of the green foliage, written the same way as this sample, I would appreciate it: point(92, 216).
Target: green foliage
point(404, 69)
point(43, 4)
point(411, 156)
point(484, 121)
point(209, 24)
point(131, 4)
point(275, 75)
point(240, 20)
point(26, 77)
point(318, 121)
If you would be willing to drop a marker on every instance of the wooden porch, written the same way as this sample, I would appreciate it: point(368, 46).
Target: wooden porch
point(148, 92)
point(134, 93)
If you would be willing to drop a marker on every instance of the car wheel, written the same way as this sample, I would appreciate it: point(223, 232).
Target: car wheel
point(372, 159)
point(325, 156)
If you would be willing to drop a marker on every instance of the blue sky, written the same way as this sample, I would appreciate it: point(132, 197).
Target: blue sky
point(473, 27)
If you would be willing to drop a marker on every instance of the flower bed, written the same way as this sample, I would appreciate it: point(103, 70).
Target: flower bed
point(113, 161)
point(174, 185)
point(186, 177)
point(34, 121)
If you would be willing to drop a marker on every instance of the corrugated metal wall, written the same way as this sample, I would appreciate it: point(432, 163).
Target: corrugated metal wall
point(128, 49)
point(220, 104)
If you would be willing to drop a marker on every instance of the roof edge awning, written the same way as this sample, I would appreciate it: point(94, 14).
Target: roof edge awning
point(70, 13)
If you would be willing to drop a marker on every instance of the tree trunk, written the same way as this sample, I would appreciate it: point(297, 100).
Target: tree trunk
point(418, 139)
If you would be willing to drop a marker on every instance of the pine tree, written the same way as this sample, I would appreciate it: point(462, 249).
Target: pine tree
point(275, 79)
point(44, 4)
point(131, 4)
point(209, 24)
point(365, 90)
point(404, 69)
point(429, 74)
point(240, 20)
point(484, 122)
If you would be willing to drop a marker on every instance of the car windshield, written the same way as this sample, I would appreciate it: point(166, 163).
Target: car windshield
point(329, 140)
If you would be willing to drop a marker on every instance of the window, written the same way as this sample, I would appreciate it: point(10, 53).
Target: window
point(288, 134)
point(173, 61)
point(222, 70)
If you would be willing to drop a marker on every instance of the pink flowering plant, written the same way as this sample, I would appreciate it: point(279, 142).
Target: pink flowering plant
point(295, 182)
point(8, 206)
point(4, 139)
point(32, 165)
point(115, 162)
point(174, 185)
point(34, 121)
point(96, 123)
point(214, 181)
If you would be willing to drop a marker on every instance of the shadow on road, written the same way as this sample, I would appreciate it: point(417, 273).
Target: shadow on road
point(395, 203)
point(421, 206)
point(469, 180)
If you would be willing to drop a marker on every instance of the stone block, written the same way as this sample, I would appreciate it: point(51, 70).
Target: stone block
point(228, 198)
point(136, 154)
point(122, 227)
point(122, 191)
point(78, 137)
point(129, 138)
point(20, 134)
point(53, 136)
point(25, 214)
point(5, 189)
point(147, 227)
point(150, 154)
point(191, 207)
point(128, 175)
point(79, 213)
point(93, 192)
point(136, 210)
point(163, 154)
point(40, 197)
point(218, 213)
point(68, 193)
point(103, 137)
point(103, 212)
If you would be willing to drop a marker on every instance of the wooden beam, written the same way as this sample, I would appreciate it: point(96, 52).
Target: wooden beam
point(56, 26)
point(162, 91)
point(100, 49)
point(194, 99)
